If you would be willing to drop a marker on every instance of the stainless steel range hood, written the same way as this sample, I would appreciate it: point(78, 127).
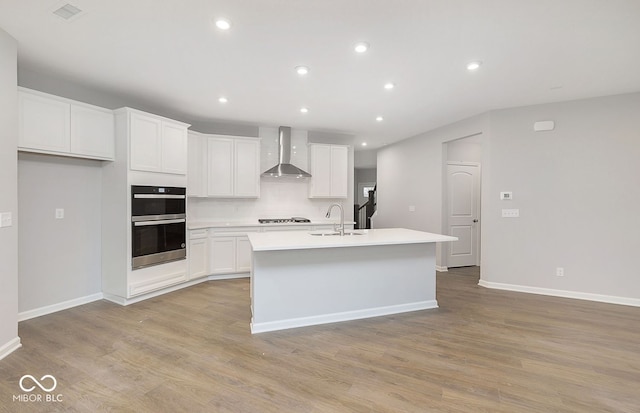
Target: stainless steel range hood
point(284, 166)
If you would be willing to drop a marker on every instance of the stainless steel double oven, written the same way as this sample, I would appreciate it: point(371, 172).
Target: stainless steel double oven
point(158, 225)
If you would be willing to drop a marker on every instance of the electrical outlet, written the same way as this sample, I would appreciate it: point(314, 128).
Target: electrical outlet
point(510, 213)
point(59, 213)
point(6, 219)
point(412, 208)
point(560, 272)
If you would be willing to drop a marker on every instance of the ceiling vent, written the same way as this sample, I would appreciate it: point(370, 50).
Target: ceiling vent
point(67, 12)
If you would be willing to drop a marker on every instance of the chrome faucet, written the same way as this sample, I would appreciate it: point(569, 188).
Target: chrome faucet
point(341, 229)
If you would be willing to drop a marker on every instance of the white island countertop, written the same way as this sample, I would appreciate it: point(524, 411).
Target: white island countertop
point(296, 240)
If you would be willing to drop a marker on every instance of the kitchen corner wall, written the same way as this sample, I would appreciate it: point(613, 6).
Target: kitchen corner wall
point(576, 189)
point(279, 197)
point(9, 340)
point(59, 258)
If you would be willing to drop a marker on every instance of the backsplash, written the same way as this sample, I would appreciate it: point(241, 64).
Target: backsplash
point(279, 198)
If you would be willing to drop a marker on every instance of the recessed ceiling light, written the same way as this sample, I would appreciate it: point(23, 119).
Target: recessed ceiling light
point(222, 99)
point(223, 24)
point(361, 47)
point(304, 110)
point(474, 65)
point(302, 70)
point(364, 143)
point(379, 119)
point(67, 11)
point(389, 86)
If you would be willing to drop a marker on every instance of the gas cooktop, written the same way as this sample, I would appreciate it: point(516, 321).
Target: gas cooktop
point(293, 220)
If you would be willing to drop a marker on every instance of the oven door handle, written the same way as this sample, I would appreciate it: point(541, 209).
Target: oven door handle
point(157, 196)
point(160, 222)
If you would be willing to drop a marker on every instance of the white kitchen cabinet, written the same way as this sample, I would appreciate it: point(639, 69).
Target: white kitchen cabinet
point(157, 144)
point(220, 167)
point(59, 126)
point(198, 253)
point(329, 171)
point(196, 165)
point(243, 254)
point(233, 167)
point(223, 255)
point(230, 250)
point(92, 132)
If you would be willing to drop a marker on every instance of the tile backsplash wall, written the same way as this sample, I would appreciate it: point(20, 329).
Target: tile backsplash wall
point(279, 198)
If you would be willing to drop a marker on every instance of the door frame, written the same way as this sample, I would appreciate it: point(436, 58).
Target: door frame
point(445, 214)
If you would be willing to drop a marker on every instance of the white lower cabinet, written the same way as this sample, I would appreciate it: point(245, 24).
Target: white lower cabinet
point(198, 254)
point(229, 252)
point(223, 255)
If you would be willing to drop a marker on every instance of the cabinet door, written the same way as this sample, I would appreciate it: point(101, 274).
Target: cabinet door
point(196, 165)
point(320, 160)
point(146, 143)
point(44, 123)
point(339, 171)
point(174, 148)
point(223, 255)
point(220, 174)
point(92, 132)
point(247, 168)
point(243, 254)
point(197, 256)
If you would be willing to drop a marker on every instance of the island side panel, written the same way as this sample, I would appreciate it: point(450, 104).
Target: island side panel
point(293, 288)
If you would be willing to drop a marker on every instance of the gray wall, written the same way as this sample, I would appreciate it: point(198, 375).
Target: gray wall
point(578, 194)
point(9, 194)
point(59, 258)
point(576, 188)
point(410, 174)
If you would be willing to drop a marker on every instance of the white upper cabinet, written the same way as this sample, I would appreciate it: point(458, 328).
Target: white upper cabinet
point(145, 142)
point(233, 167)
point(197, 164)
point(247, 168)
point(329, 171)
point(174, 148)
point(157, 144)
point(51, 124)
point(92, 132)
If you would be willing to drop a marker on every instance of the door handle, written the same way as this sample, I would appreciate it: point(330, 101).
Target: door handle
point(475, 220)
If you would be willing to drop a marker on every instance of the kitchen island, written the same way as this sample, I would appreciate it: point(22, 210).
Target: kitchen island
point(307, 278)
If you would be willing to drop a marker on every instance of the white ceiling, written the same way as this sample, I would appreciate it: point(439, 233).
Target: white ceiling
point(168, 51)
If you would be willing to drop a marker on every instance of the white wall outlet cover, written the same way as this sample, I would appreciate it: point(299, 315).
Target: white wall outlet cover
point(6, 219)
point(510, 213)
point(544, 125)
point(59, 213)
point(506, 196)
point(412, 208)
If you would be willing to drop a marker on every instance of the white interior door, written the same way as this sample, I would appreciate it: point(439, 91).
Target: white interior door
point(463, 214)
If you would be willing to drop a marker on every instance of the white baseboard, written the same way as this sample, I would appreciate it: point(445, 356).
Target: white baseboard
point(229, 276)
point(442, 268)
point(37, 312)
point(611, 299)
point(10, 347)
point(342, 316)
point(126, 301)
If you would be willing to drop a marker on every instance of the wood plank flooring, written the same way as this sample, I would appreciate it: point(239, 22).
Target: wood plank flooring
point(191, 351)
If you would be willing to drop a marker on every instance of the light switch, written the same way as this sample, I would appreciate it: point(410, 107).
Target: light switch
point(6, 219)
point(59, 213)
point(510, 213)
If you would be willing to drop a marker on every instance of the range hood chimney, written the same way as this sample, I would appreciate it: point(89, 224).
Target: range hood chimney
point(284, 167)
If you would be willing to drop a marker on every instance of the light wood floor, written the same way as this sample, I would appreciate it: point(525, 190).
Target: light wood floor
point(191, 351)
